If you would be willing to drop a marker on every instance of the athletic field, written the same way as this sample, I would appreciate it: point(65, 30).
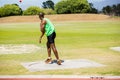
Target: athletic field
point(84, 38)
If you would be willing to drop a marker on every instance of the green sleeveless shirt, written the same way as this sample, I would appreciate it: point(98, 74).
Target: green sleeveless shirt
point(49, 27)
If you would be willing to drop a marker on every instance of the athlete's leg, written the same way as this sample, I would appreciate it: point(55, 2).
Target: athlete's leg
point(49, 59)
point(51, 45)
point(55, 53)
point(48, 49)
point(54, 50)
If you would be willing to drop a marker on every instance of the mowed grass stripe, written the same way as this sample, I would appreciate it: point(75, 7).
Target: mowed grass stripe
point(75, 40)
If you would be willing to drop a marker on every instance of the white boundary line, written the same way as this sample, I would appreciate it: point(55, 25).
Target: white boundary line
point(56, 76)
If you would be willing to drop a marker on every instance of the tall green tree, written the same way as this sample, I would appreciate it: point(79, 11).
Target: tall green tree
point(48, 4)
point(44, 5)
point(107, 10)
point(92, 9)
point(72, 6)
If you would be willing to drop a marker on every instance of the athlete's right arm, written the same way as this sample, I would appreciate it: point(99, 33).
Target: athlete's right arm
point(42, 25)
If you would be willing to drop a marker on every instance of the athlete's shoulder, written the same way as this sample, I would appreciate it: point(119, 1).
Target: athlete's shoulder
point(45, 19)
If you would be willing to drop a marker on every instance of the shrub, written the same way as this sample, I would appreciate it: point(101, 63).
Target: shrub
point(10, 10)
point(33, 10)
point(49, 11)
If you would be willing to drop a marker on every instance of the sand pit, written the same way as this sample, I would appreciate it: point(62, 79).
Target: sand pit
point(115, 48)
point(18, 49)
point(67, 64)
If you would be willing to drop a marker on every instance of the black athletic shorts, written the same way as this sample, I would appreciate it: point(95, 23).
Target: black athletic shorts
point(51, 38)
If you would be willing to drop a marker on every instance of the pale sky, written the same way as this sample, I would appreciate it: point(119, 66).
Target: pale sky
point(96, 0)
point(27, 3)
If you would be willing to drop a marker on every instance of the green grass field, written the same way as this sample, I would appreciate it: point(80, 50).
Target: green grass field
point(75, 40)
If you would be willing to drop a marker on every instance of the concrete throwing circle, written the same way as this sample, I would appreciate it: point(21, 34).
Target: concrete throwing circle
point(67, 64)
point(18, 49)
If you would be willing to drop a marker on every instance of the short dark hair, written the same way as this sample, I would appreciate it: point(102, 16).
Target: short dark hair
point(41, 14)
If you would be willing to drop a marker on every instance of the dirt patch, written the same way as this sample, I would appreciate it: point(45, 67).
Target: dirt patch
point(60, 17)
point(18, 19)
point(18, 49)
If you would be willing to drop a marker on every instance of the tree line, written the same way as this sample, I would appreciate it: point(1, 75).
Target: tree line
point(113, 10)
point(14, 9)
point(62, 7)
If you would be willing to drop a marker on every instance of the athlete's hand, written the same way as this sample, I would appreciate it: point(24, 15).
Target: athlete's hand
point(40, 40)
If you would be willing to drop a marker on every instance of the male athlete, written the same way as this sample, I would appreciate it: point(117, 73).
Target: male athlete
point(48, 28)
